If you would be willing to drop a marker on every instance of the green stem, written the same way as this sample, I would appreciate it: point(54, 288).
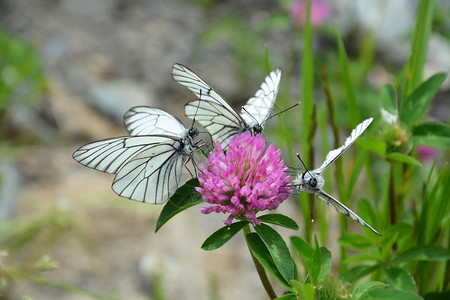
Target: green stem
point(393, 201)
point(260, 269)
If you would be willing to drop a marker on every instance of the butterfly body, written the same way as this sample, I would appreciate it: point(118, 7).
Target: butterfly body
point(148, 163)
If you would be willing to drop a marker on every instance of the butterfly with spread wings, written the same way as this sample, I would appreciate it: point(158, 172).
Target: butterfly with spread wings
point(312, 181)
point(147, 164)
point(217, 116)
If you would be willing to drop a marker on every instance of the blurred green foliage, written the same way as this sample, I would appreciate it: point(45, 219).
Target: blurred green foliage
point(22, 77)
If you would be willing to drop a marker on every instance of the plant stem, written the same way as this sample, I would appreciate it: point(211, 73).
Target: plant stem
point(392, 201)
point(260, 269)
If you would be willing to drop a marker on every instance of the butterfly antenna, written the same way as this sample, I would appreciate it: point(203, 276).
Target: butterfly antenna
point(312, 208)
point(298, 155)
point(283, 111)
point(243, 108)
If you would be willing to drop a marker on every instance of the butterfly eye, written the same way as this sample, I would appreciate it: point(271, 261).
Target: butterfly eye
point(193, 132)
point(313, 182)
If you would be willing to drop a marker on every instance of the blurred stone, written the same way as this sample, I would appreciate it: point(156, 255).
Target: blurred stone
point(10, 184)
point(76, 118)
point(114, 98)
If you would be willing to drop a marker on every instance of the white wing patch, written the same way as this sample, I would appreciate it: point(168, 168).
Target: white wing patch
point(334, 154)
point(144, 120)
point(258, 108)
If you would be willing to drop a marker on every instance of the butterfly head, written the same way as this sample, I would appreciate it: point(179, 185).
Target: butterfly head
point(257, 129)
point(309, 179)
point(193, 132)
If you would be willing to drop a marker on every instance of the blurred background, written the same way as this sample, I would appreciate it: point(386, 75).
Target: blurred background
point(69, 69)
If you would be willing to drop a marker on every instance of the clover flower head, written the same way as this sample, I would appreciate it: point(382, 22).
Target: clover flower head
point(245, 180)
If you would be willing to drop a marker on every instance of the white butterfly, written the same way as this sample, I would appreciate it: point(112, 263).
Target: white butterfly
point(148, 164)
point(217, 116)
point(312, 181)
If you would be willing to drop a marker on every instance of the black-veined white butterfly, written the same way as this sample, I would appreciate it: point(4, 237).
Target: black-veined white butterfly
point(148, 164)
point(217, 116)
point(312, 181)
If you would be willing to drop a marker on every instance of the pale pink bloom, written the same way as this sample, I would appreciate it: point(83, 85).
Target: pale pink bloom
point(245, 180)
point(320, 12)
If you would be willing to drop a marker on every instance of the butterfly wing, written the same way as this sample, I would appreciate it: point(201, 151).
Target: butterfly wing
point(199, 87)
point(258, 108)
point(341, 208)
point(111, 154)
point(219, 122)
point(210, 110)
point(147, 168)
point(144, 120)
point(153, 175)
point(334, 154)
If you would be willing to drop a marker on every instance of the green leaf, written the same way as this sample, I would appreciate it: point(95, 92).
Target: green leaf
point(427, 253)
point(435, 212)
point(397, 156)
point(304, 290)
point(367, 213)
point(278, 250)
point(412, 108)
point(388, 99)
point(400, 279)
point(223, 235)
point(394, 234)
point(316, 265)
point(432, 134)
point(278, 219)
point(325, 267)
point(390, 294)
point(358, 272)
point(363, 288)
point(289, 296)
point(373, 144)
point(399, 230)
point(261, 252)
point(185, 197)
point(356, 241)
point(369, 255)
point(305, 251)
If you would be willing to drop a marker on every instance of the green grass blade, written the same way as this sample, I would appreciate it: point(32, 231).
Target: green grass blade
point(307, 84)
point(419, 45)
point(349, 90)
